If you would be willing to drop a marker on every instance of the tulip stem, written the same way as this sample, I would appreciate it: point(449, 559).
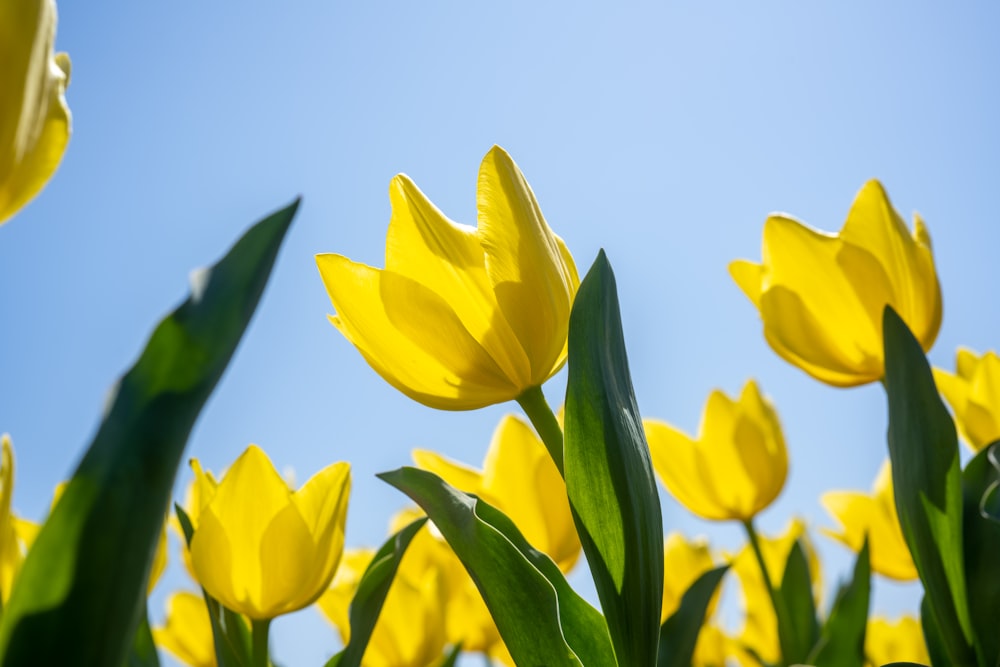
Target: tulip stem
point(260, 630)
point(533, 402)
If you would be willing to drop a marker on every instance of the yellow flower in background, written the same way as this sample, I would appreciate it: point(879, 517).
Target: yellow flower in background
point(712, 648)
point(520, 479)
point(460, 317)
point(737, 465)
point(187, 634)
point(760, 626)
point(34, 117)
point(875, 515)
point(260, 548)
point(16, 534)
point(683, 562)
point(974, 395)
point(899, 641)
point(410, 631)
point(821, 296)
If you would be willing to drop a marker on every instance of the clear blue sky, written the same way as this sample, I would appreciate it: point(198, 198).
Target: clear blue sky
point(662, 132)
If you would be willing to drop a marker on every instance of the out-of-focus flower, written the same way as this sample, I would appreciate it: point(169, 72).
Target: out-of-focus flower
point(760, 627)
point(899, 641)
point(875, 515)
point(260, 548)
point(460, 317)
point(16, 534)
point(974, 395)
point(520, 479)
point(712, 648)
point(821, 296)
point(410, 631)
point(737, 465)
point(187, 634)
point(683, 562)
point(34, 117)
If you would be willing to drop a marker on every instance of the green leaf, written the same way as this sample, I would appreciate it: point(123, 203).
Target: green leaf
point(679, 633)
point(372, 589)
point(926, 476)
point(80, 594)
point(989, 505)
point(541, 619)
point(982, 553)
point(842, 638)
point(932, 636)
point(798, 629)
point(143, 651)
point(609, 475)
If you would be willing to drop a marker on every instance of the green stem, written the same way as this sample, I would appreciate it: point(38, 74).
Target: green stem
point(755, 544)
point(261, 629)
point(533, 402)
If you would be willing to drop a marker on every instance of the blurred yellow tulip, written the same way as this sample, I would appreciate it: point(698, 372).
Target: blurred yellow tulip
point(683, 562)
point(16, 534)
point(34, 117)
point(899, 641)
point(520, 479)
point(712, 648)
point(737, 465)
point(187, 633)
point(974, 395)
point(260, 548)
point(461, 317)
point(821, 296)
point(875, 515)
point(760, 626)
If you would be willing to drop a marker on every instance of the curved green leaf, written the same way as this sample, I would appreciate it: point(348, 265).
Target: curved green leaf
point(842, 638)
point(370, 595)
point(541, 619)
point(80, 595)
point(143, 651)
point(679, 633)
point(609, 475)
point(798, 628)
point(927, 481)
point(982, 553)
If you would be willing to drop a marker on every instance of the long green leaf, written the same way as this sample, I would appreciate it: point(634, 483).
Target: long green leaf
point(541, 619)
point(842, 638)
point(143, 651)
point(932, 636)
point(80, 595)
point(679, 633)
point(927, 481)
point(798, 629)
point(609, 475)
point(372, 589)
point(982, 554)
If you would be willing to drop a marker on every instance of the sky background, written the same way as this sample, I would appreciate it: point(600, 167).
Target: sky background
point(662, 132)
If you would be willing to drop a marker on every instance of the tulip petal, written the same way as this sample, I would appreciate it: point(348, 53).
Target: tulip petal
point(458, 475)
point(385, 316)
point(748, 277)
point(425, 246)
point(322, 502)
point(289, 562)
point(188, 630)
point(533, 276)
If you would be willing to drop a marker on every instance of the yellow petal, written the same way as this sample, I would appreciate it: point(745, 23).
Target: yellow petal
point(683, 563)
point(458, 475)
point(895, 641)
point(187, 634)
point(34, 117)
point(385, 315)
point(974, 395)
point(533, 276)
point(748, 277)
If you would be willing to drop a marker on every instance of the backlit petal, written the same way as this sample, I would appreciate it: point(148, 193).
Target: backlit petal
point(187, 634)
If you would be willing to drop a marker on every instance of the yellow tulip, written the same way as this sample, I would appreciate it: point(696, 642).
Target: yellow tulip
point(260, 548)
point(974, 395)
point(760, 627)
point(461, 317)
point(712, 648)
point(737, 465)
point(875, 515)
point(683, 563)
point(821, 296)
point(34, 117)
point(899, 641)
point(16, 534)
point(410, 631)
point(520, 479)
point(187, 634)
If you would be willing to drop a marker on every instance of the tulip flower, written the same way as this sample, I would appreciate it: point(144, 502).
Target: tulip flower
point(460, 317)
point(821, 296)
point(737, 465)
point(16, 534)
point(683, 563)
point(760, 627)
point(187, 634)
point(873, 515)
point(899, 641)
point(974, 395)
point(34, 118)
point(520, 479)
point(260, 548)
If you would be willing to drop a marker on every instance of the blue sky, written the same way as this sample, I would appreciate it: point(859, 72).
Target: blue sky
point(662, 132)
